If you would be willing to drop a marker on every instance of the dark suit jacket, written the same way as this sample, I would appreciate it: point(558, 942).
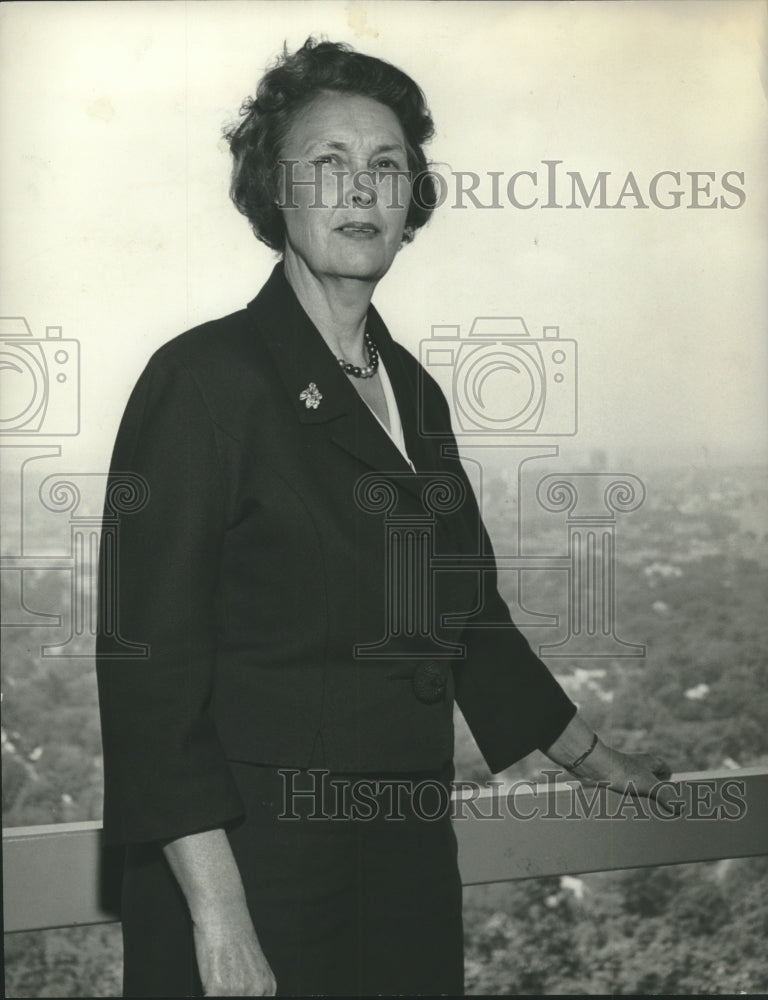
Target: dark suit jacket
point(263, 571)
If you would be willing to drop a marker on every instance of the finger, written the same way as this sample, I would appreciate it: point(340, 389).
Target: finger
point(658, 767)
point(594, 782)
point(669, 798)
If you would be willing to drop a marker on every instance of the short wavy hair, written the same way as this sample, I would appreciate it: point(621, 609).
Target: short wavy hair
point(292, 83)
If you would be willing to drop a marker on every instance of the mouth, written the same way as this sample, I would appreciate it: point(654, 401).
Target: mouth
point(358, 229)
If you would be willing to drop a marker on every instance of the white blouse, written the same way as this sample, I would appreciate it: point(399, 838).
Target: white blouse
point(395, 429)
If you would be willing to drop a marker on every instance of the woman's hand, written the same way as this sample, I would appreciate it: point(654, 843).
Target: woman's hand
point(639, 773)
point(229, 957)
point(643, 774)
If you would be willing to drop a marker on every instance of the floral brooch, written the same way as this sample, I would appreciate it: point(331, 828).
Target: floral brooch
point(311, 396)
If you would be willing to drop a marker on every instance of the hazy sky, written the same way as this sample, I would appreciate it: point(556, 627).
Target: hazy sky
point(116, 223)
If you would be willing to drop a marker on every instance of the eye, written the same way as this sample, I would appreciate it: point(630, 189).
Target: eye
point(386, 163)
point(326, 158)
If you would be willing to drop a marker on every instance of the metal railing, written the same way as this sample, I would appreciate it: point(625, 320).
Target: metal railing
point(61, 876)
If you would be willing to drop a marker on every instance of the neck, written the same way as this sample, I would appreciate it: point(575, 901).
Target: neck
point(337, 306)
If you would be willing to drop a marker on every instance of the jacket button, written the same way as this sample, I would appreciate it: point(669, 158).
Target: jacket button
point(429, 682)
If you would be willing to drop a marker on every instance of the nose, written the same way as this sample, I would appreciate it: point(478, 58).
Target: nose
point(359, 189)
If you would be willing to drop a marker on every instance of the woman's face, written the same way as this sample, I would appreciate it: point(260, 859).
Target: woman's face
point(344, 192)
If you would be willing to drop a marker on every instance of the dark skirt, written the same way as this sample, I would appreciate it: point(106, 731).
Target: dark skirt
point(358, 895)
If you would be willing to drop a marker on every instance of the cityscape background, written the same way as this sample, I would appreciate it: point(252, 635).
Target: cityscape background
point(116, 227)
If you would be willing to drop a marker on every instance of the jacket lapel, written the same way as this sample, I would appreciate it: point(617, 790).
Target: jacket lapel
point(407, 395)
point(320, 393)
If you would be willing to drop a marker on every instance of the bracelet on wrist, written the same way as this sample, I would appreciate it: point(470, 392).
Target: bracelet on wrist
point(582, 757)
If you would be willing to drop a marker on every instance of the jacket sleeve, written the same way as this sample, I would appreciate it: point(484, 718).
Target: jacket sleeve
point(510, 700)
point(165, 770)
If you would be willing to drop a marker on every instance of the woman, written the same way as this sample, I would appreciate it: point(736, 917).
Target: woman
point(273, 442)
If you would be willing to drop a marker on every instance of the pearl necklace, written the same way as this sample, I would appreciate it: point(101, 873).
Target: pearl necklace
point(373, 360)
